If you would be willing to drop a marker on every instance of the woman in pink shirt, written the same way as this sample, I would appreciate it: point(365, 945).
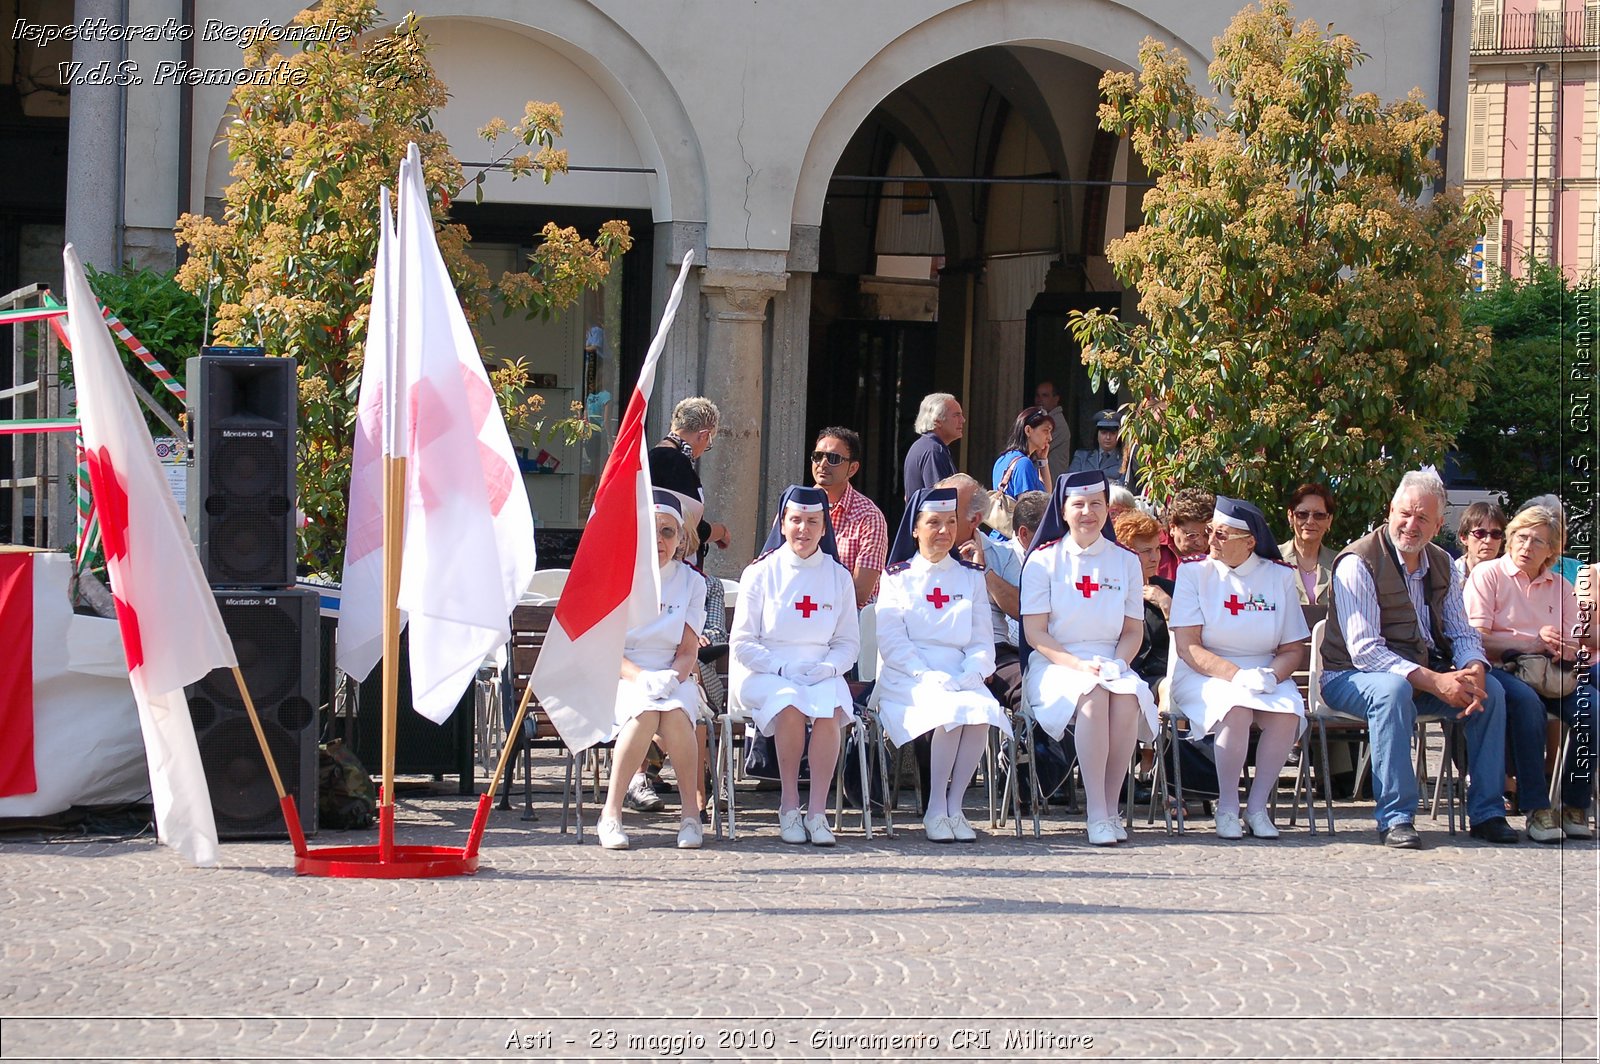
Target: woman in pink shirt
point(1522, 606)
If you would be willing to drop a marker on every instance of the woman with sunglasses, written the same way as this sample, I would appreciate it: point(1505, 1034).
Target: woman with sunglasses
point(1482, 532)
point(1310, 516)
point(1240, 635)
point(656, 694)
point(1025, 464)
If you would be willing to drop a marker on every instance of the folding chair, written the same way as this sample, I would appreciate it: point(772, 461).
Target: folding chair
point(1321, 717)
point(729, 764)
point(1447, 782)
point(529, 623)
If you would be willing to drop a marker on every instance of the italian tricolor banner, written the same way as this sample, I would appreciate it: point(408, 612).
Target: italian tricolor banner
point(17, 774)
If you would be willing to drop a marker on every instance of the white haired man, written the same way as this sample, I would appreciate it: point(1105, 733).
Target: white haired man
point(1398, 643)
point(940, 423)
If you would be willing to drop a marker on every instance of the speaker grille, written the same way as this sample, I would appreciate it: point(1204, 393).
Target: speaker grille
point(241, 483)
point(274, 635)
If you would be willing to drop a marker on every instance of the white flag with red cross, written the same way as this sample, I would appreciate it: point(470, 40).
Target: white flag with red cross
point(361, 604)
point(172, 633)
point(615, 583)
point(469, 549)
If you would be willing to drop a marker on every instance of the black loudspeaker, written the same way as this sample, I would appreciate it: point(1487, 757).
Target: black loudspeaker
point(242, 468)
point(275, 637)
point(421, 746)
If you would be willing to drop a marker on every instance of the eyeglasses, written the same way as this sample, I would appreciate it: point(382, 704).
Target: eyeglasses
point(666, 532)
point(828, 457)
point(1311, 515)
point(1487, 533)
point(1529, 539)
point(1222, 534)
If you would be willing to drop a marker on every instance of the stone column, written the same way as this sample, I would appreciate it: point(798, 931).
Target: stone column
point(94, 171)
point(788, 378)
point(678, 372)
point(736, 305)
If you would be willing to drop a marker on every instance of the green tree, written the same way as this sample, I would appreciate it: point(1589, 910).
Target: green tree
point(290, 264)
point(1300, 290)
point(1519, 436)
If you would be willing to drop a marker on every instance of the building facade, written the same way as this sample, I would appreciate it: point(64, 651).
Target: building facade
point(1533, 106)
point(884, 199)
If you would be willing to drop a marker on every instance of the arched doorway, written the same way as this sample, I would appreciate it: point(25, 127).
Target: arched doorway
point(964, 218)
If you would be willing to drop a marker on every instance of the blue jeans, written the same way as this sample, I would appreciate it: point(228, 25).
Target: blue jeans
point(1525, 716)
point(1389, 704)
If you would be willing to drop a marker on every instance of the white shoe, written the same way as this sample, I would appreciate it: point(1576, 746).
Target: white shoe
point(938, 829)
point(1103, 832)
point(791, 828)
point(961, 829)
point(1228, 826)
point(816, 825)
point(1260, 824)
point(612, 837)
point(690, 835)
point(1121, 829)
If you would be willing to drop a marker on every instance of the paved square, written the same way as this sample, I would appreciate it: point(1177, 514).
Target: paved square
point(1307, 948)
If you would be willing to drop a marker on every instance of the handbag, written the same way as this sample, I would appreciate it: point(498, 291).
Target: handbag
point(1002, 507)
point(1548, 677)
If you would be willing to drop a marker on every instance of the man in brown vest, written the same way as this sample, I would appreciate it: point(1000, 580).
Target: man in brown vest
point(1399, 643)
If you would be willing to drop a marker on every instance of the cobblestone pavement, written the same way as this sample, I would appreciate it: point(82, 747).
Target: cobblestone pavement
point(1307, 948)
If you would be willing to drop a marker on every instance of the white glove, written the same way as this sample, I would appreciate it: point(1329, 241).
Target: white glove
point(1256, 681)
point(817, 672)
point(806, 672)
point(967, 681)
point(936, 678)
point(1110, 670)
point(658, 684)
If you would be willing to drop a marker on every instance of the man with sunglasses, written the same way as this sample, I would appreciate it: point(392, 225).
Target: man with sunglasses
point(858, 525)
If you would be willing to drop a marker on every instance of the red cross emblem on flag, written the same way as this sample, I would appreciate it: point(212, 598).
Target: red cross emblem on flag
point(111, 501)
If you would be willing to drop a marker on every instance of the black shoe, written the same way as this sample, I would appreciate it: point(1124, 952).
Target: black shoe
point(1496, 830)
point(642, 797)
point(1401, 835)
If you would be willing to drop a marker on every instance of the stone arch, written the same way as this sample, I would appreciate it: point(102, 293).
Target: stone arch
point(642, 97)
point(1105, 34)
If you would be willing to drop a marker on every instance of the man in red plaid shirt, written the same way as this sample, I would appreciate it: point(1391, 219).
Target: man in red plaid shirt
point(858, 524)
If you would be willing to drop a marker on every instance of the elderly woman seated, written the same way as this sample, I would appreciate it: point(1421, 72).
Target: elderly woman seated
point(1141, 534)
point(1240, 634)
point(1529, 617)
point(1083, 615)
point(936, 646)
point(794, 637)
point(656, 694)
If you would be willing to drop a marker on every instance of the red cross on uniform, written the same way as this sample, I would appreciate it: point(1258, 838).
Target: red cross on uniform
point(1233, 605)
point(1087, 586)
point(938, 598)
point(806, 607)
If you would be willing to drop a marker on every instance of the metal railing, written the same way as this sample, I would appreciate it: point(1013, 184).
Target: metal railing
point(1532, 32)
point(36, 504)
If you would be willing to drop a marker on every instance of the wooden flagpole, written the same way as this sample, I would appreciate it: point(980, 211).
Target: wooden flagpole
point(486, 800)
point(394, 524)
point(291, 814)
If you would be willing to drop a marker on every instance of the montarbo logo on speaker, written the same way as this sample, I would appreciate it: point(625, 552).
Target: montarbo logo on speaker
point(229, 434)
